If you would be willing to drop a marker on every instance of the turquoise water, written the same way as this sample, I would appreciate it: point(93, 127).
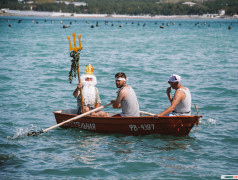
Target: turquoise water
point(33, 83)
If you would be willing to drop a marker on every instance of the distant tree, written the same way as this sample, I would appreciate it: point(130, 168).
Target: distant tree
point(132, 7)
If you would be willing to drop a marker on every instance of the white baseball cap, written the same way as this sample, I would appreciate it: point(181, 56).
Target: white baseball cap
point(174, 78)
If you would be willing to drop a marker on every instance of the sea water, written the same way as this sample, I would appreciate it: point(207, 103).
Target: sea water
point(34, 67)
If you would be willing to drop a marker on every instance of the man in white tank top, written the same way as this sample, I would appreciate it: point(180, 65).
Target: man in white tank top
point(181, 102)
point(126, 98)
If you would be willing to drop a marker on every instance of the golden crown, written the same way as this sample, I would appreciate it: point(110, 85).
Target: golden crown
point(89, 69)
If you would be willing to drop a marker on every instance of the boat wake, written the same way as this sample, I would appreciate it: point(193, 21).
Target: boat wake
point(209, 121)
point(20, 132)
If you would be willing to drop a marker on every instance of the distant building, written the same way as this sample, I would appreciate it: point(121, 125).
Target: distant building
point(80, 3)
point(32, 7)
point(189, 3)
point(72, 3)
point(4, 10)
point(221, 12)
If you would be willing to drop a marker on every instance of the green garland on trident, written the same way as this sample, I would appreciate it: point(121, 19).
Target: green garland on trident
point(74, 65)
point(75, 55)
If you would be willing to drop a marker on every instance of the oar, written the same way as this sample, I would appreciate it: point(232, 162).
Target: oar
point(69, 120)
point(146, 113)
point(197, 123)
point(196, 108)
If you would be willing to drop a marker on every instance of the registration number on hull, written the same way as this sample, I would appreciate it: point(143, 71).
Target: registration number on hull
point(143, 127)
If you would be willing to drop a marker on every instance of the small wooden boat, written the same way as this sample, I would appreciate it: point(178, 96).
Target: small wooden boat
point(143, 125)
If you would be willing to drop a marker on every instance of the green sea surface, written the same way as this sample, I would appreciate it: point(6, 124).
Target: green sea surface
point(34, 67)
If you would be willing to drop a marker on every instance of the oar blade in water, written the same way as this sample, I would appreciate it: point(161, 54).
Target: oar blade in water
point(34, 133)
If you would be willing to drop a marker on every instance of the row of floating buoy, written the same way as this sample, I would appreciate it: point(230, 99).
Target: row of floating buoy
point(144, 24)
point(106, 23)
point(120, 25)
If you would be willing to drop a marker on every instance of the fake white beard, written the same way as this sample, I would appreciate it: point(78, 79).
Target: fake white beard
point(89, 94)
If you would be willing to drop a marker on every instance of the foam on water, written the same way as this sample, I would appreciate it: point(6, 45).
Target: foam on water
point(209, 121)
point(22, 132)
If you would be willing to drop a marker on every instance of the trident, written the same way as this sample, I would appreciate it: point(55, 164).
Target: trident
point(75, 48)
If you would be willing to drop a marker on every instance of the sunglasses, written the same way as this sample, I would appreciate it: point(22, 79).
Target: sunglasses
point(171, 82)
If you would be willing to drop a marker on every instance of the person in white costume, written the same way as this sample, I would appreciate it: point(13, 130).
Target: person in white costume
point(181, 102)
point(90, 93)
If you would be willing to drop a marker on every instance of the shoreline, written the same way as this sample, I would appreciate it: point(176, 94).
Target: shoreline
point(7, 12)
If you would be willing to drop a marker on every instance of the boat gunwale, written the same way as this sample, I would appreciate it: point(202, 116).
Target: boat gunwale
point(128, 117)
